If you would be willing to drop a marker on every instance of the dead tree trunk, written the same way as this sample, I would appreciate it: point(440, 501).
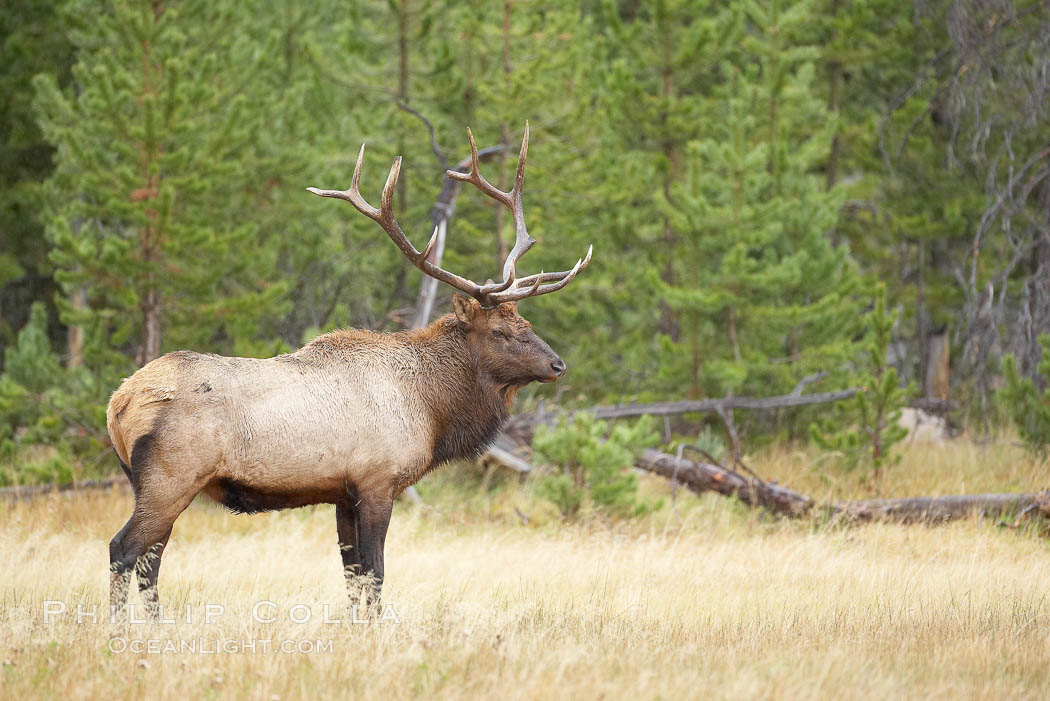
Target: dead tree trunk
point(935, 509)
point(937, 364)
point(703, 477)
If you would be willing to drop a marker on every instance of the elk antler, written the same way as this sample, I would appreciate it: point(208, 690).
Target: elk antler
point(489, 295)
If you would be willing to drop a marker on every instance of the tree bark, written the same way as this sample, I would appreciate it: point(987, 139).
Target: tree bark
point(937, 364)
point(76, 332)
point(149, 349)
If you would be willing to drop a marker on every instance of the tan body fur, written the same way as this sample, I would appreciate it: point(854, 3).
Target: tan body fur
point(342, 412)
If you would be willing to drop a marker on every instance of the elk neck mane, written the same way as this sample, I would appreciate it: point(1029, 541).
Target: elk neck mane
point(467, 407)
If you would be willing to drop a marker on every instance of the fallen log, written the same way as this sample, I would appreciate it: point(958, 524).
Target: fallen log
point(935, 509)
point(502, 453)
point(703, 477)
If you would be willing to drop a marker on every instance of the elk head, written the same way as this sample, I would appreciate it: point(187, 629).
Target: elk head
point(504, 342)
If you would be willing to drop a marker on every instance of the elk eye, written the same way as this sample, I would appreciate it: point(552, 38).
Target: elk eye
point(500, 335)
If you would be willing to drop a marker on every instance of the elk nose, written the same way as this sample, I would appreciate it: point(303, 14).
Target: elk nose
point(558, 367)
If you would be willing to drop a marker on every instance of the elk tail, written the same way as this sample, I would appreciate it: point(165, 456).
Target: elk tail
point(117, 404)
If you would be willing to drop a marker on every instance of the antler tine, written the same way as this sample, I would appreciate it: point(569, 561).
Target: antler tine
point(530, 286)
point(352, 195)
point(512, 200)
point(475, 161)
point(491, 294)
point(475, 178)
point(545, 277)
point(522, 240)
point(519, 176)
point(385, 218)
point(554, 277)
point(387, 203)
point(491, 287)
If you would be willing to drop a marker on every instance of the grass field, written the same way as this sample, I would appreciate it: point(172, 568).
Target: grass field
point(701, 599)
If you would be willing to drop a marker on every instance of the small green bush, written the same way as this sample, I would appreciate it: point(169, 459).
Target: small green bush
point(1027, 404)
point(52, 419)
point(591, 463)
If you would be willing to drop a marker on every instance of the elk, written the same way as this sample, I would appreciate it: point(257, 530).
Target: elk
point(352, 418)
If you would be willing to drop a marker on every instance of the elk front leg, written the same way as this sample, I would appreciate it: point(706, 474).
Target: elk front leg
point(373, 517)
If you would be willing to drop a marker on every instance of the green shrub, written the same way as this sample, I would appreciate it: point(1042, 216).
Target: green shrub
point(589, 462)
point(1027, 404)
point(52, 420)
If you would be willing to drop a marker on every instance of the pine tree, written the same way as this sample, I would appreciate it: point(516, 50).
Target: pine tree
point(865, 429)
point(593, 461)
point(656, 64)
point(764, 295)
point(161, 177)
point(32, 41)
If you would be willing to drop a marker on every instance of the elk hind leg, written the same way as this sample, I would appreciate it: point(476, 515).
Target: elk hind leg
point(139, 544)
point(147, 570)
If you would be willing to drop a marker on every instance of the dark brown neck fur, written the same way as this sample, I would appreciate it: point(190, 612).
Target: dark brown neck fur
point(468, 407)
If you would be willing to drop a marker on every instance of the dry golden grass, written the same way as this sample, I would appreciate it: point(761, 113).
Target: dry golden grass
point(926, 469)
point(702, 600)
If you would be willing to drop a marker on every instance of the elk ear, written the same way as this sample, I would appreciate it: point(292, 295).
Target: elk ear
point(465, 308)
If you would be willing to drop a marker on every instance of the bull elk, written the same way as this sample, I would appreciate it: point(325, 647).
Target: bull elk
point(352, 418)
